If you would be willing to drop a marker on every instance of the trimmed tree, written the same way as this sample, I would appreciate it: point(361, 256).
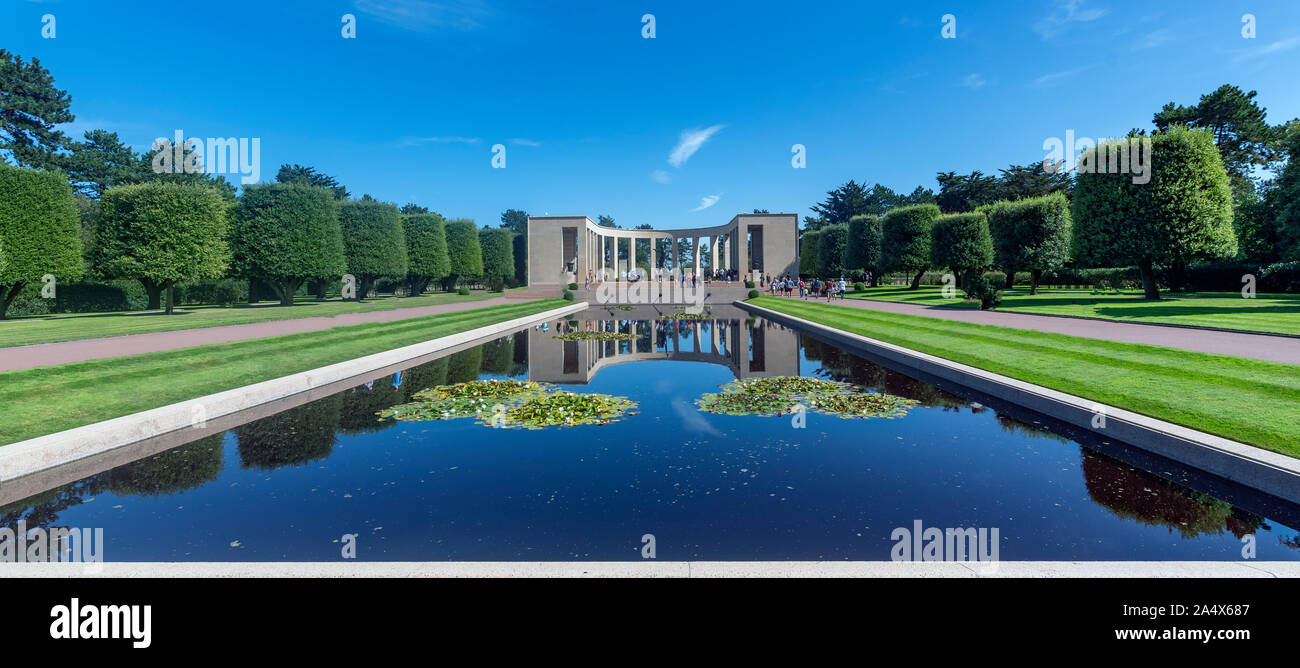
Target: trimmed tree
point(808, 247)
point(498, 248)
point(374, 244)
point(1031, 234)
point(832, 241)
point(1183, 214)
point(520, 243)
point(905, 239)
point(961, 242)
point(862, 252)
point(284, 234)
point(463, 250)
point(161, 233)
point(40, 230)
point(426, 250)
point(1288, 199)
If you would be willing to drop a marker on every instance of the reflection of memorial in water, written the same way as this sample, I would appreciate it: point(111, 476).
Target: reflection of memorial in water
point(750, 347)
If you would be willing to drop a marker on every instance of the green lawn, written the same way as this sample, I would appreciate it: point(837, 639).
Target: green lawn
point(1247, 400)
point(1276, 314)
point(49, 399)
point(73, 326)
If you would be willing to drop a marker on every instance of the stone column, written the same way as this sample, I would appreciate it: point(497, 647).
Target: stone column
point(695, 254)
point(713, 254)
point(631, 254)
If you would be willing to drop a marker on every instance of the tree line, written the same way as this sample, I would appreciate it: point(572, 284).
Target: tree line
point(1225, 186)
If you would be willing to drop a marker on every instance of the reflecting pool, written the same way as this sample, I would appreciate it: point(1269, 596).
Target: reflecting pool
point(707, 486)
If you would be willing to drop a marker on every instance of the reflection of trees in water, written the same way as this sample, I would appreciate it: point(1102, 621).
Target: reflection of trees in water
point(187, 467)
point(295, 436)
point(426, 375)
point(1136, 495)
point(521, 353)
point(464, 366)
point(1013, 426)
point(499, 357)
point(359, 405)
point(837, 364)
point(171, 472)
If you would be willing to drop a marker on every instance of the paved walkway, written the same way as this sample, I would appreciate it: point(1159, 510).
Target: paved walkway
point(1238, 344)
point(48, 354)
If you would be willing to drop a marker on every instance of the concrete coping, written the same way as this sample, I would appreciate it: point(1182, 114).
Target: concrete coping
point(42, 453)
point(1271, 472)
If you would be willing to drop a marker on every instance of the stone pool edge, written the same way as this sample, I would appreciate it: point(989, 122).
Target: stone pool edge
point(42, 453)
point(1263, 470)
point(661, 569)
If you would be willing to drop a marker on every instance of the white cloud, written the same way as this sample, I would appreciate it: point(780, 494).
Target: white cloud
point(660, 176)
point(1270, 49)
point(524, 142)
point(707, 201)
point(416, 141)
point(1065, 13)
point(689, 143)
point(973, 81)
point(1154, 39)
point(426, 15)
point(1052, 78)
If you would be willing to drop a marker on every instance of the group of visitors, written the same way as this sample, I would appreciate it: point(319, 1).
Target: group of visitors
point(815, 287)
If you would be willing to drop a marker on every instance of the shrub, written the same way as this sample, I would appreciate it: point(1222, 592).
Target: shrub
point(374, 243)
point(497, 246)
point(1219, 276)
point(754, 293)
point(1183, 214)
point(221, 292)
point(1031, 234)
point(808, 253)
point(749, 283)
point(495, 284)
point(284, 234)
point(905, 239)
point(832, 241)
point(462, 291)
point(983, 289)
point(40, 230)
point(568, 296)
point(859, 286)
point(961, 242)
point(1280, 277)
point(463, 248)
point(862, 251)
point(573, 286)
point(161, 233)
point(426, 250)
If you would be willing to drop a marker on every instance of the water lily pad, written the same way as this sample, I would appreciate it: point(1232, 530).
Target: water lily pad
point(780, 395)
point(595, 336)
point(511, 404)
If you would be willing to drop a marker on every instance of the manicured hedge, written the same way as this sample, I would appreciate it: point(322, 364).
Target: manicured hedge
point(39, 230)
point(497, 246)
point(832, 241)
point(463, 249)
point(1031, 235)
point(285, 234)
point(961, 242)
point(426, 250)
point(161, 233)
point(862, 252)
point(808, 249)
point(374, 243)
point(905, 239)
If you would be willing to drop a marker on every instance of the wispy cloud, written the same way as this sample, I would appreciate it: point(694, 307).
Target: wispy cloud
point(1049, 79)
point(707, 201)
point(692, 419)
point(1269, 49)
point(973, 81)
point(1065, 13)
point(427, 15)
point(524, 142)
point(689, 143)
point(416, 141)
point(660, 176)
point(1154, 39)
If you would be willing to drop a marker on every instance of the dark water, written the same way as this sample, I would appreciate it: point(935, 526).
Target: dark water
point(288, 487)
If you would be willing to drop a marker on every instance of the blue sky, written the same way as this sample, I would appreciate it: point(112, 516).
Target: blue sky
point(598, 120)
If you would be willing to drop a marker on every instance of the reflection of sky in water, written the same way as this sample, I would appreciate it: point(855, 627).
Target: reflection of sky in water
point(707, 486)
